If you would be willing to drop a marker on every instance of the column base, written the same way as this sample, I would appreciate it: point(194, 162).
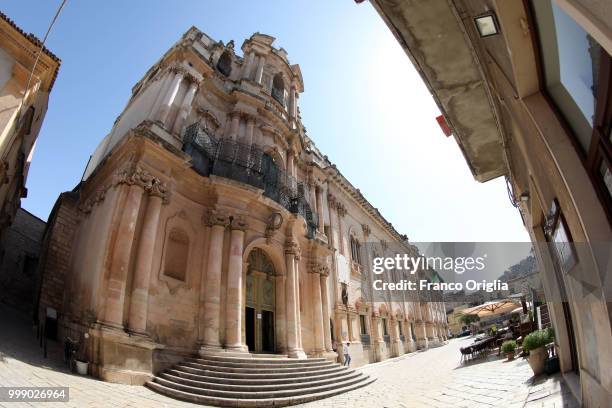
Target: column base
point(297, 353)
point(208, 349)
point(237, 349)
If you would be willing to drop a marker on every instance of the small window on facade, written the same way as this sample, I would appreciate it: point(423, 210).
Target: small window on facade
point(362, 324)
point(175, 265)
point(399, 326)
point(224, 65)
point(384, 323)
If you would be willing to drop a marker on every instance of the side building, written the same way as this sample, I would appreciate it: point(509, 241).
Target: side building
point(208, 222)
point(27, 75)
point(526, 88)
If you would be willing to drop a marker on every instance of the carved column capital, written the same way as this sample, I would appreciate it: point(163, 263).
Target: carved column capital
point(214, 217)
point(319, 268)
point(239, 222)
point(140, 177)
point(293, 248)
point(341, 209)
point(87, 206)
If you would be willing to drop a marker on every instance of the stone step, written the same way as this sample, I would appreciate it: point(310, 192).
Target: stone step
point(242, 373)
point(255, 402)
point(241, 355)
point(279, 360)
point(255, 381)
point(245, 368)
point(258, 386)
point(267, 394)
point(257, 363)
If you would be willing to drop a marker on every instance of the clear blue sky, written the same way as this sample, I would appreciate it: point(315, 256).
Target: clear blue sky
point(364, 105)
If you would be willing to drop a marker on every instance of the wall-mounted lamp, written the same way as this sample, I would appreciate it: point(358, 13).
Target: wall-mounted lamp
point(524, 197)
point(486, 24)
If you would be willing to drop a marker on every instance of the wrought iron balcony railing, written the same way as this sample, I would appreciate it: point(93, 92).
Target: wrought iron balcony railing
point(247, 164)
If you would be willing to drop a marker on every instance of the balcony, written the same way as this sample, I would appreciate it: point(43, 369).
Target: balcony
point(247, 164)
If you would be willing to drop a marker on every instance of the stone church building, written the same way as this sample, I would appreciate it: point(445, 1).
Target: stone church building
point(208, 222)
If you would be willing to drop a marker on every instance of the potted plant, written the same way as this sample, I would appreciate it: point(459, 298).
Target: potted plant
point(508, 348)
point(534, 344)
point(82, 359)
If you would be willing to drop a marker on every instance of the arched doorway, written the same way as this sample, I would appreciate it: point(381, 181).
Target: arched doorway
point(260, 303)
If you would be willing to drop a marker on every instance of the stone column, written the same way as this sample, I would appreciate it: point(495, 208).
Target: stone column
point(317, 305)
point(168, 100)
point(137, 319)
point(234, 299)
point(235, 126)
point(246, 74)
point(290, 162)
point(331, 205)
point(250, 128)
point(325, 307)
point(185, 107)
point(212, 308)
point(319, 198)
point(292, 255)
point(123, 250)
point(260, 67)
point(341, 213)
point(293, 102)
point(163, 90)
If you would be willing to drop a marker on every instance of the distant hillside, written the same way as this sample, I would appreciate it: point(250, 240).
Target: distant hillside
point(524, 267)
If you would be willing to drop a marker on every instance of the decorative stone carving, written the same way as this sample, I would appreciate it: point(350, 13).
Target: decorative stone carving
point(239, 222)
point(321, 268)
point(87, 206)
point(341, 209)
point(216, 217)
point(138, 176)
point(366, 230)
point(293, 248)
point(274, 222)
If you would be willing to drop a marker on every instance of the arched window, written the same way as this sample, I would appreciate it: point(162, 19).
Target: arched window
point(177, 251)
point(224, 64)
point(278, 88)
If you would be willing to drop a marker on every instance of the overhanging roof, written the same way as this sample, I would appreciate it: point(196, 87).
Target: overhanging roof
point(434, 38)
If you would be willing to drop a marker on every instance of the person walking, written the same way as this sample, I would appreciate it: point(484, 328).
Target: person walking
point(347, 356)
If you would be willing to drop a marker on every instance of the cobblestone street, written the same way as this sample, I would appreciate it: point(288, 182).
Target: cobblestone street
point(433, 378)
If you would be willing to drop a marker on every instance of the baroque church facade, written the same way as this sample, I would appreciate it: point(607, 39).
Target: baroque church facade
point(207, 221)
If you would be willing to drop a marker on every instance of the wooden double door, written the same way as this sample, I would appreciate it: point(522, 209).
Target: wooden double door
point(259, 312)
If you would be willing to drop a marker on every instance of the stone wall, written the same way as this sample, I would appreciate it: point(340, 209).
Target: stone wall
point(57, 245)
point(19, 253)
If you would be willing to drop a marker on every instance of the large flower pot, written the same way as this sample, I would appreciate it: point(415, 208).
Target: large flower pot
point(536, 360)
point(510, 355)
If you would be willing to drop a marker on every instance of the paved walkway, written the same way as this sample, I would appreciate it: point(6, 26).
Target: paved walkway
point(433, 378)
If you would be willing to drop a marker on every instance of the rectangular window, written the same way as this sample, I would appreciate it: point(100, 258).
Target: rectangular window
point(385, 331)
point(399, 326)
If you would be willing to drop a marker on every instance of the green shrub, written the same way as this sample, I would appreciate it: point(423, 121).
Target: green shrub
point(537, 339)
point(508, 346)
